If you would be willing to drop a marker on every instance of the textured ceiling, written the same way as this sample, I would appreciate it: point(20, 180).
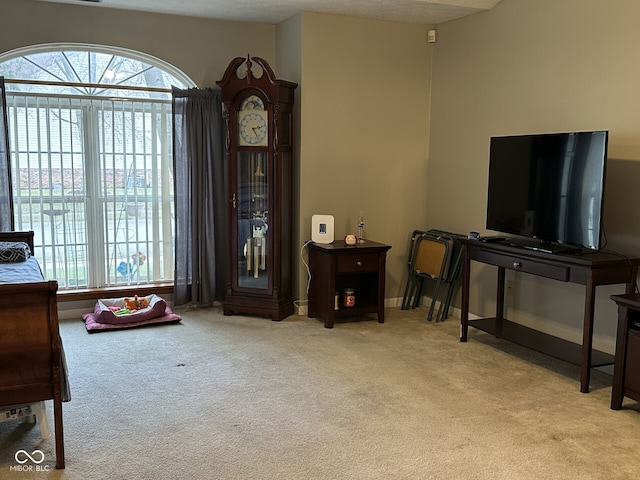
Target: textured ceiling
point(427, 12)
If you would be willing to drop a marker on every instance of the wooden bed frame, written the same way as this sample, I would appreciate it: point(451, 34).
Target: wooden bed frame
point(30, 344)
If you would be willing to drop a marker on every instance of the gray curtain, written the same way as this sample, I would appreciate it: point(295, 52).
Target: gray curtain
point(6, 199)
point(200, 207)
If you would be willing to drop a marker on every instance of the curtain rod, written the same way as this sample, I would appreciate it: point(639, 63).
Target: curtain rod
point(91, 85)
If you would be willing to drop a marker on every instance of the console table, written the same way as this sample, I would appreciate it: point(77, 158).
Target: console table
point(589, 269)
point(335, 267)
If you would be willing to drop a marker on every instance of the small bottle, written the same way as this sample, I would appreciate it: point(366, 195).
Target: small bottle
point(349, 299)
point(336, 304)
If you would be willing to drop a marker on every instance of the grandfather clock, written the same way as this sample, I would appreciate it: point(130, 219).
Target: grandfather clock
point(259, 153)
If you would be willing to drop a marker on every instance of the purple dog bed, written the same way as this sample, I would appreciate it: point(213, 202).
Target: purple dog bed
point(104, 318)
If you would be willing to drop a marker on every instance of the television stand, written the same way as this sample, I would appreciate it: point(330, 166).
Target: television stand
point(590, 270)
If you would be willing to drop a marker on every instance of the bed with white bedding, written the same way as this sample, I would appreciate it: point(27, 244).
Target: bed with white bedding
point(32, 365)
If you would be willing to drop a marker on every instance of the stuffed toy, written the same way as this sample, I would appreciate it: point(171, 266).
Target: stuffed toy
point(136, 303)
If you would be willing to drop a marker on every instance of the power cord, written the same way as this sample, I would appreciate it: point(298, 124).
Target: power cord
point(300, 303)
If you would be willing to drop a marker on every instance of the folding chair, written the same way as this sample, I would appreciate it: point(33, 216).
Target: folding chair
point(431, 256)
point(455, 268)
point(407, 300)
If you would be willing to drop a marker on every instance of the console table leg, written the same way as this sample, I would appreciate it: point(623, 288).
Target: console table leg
point(587, 336)
point(500, 302)
point(464, 307)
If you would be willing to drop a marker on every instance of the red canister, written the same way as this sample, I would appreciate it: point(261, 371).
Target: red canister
point(349, 298)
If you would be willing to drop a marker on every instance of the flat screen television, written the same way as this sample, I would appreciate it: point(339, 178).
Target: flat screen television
point(549, 188)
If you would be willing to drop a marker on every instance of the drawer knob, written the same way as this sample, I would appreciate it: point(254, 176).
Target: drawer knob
point(359, 263)
point(517, 264)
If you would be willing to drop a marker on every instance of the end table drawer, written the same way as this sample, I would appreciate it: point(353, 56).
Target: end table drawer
point(363, 262)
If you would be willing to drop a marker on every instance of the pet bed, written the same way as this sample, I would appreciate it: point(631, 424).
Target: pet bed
point(106, 314)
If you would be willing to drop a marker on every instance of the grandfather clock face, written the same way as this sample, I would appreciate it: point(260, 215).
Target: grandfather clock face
point(253, 128)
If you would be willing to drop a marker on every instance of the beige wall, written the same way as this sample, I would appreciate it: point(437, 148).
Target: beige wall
point(289, 59)
point(201, 48)
point(364, 131)
point(532, 66)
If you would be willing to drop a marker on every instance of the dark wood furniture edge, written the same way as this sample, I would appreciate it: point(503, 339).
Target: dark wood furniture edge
point(26, 237)
point(626, 302)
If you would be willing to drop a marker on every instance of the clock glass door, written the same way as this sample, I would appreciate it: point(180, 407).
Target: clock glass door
point(253, 220)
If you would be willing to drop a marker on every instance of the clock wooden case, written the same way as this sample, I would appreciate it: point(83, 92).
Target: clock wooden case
point(258, 111)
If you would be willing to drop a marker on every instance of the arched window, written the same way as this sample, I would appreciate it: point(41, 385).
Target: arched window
point(91, 153)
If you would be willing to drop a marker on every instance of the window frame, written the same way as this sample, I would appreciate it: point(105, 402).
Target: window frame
point(116, 52)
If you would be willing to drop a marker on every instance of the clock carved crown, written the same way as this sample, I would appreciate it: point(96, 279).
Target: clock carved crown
point(254, 72)
point(249, 72)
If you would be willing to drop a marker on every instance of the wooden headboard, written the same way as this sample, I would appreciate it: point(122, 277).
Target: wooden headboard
point(26, 237)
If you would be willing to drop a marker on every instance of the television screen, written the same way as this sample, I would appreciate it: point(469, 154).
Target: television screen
point(549, 187)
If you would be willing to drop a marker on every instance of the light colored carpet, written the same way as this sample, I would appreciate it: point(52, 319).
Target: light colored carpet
point(247, 398)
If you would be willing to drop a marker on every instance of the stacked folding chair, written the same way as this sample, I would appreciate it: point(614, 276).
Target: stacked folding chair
point(434, 255)
point(455, 267)
point(410, 295)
